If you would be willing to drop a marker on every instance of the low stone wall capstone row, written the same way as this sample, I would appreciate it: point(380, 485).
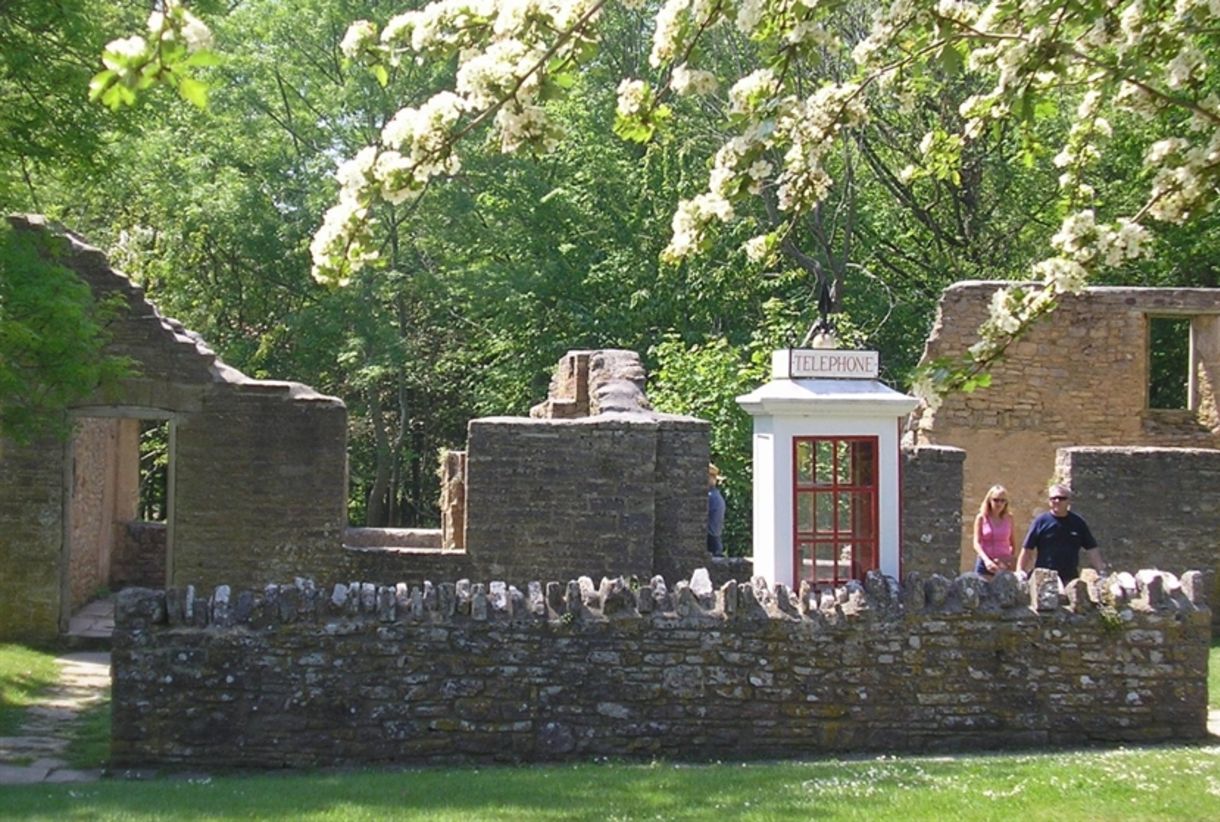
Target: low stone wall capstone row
point(301, 675)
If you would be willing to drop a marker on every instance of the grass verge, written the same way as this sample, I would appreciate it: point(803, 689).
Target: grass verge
point(1170, 783)
point(24, 674)
point(89, 746)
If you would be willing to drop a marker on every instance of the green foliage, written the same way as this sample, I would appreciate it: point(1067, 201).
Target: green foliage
point(703, 380)
point(175, 47)
point(52, 335)
point(488, 279)
point(24, 675)
point(47, 126)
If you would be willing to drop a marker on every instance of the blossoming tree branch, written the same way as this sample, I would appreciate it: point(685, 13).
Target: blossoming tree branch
point(1142, 66)
point(176, 44)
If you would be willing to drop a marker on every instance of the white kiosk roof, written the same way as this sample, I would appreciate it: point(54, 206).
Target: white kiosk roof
point(786, 395)
point(809, 398)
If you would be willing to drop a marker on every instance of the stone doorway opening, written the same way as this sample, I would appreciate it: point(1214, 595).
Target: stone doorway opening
point(118, 513)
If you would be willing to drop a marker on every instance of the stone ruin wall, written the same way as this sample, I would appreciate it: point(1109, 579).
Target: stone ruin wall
point(139, 556)
point(259, 484)
point(931, 524)
point(91, 514)
point(594, 496)
point(1150, 506)
point(299, 676)
point(31, 540)
point(931, 489)
point(109, 548)
point(1078, 379)
point(594, 482)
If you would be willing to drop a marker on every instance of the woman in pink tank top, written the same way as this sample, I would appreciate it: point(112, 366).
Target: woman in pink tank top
point(993, 534)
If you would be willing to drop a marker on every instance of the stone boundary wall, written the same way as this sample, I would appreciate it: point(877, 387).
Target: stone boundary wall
point(298, 675)
point(1150, 505)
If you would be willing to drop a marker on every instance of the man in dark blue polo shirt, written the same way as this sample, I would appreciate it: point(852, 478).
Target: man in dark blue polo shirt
point(1057, 537)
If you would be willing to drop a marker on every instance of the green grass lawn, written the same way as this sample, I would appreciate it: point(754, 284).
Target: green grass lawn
point(1158, 783)
point(1167, 783)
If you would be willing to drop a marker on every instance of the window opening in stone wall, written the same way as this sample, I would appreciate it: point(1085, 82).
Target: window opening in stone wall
point(154, 470)
point(1169, 363)
point(834, 499)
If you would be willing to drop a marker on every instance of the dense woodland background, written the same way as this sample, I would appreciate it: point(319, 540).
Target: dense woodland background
point(490, 277)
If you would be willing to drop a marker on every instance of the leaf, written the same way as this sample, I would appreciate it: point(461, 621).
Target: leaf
point(201, 59)
point(118, 95)
point(632, 129)
point(100, 82)
point(382, 75)
point(193, 91)
point(951, 60)
point(564, 79)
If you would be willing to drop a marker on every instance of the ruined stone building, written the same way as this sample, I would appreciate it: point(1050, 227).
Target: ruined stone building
point(1077, 400)
point(257, 473)
point(595, 482)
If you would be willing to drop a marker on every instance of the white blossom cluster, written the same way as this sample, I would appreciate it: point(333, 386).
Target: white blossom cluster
point(344, 240)
point(176, 44)
point(685, 80)
point(675, 22)
point(633, 97)
point(806, 130)
point(1094, 63)
point(504, 50)
point(1116, 58)
point(126, 56)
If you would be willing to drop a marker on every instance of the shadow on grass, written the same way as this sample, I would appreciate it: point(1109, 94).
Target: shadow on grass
point(24, 674)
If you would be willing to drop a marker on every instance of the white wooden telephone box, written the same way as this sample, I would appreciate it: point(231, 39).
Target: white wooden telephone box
point(826, 468)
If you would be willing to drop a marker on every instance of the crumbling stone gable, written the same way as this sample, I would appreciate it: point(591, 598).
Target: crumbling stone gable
point(298, 676)
point(258, 477)
point(589, 383)
point(1079, 379)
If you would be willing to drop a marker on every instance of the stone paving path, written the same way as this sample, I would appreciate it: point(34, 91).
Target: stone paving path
point(36, 755)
